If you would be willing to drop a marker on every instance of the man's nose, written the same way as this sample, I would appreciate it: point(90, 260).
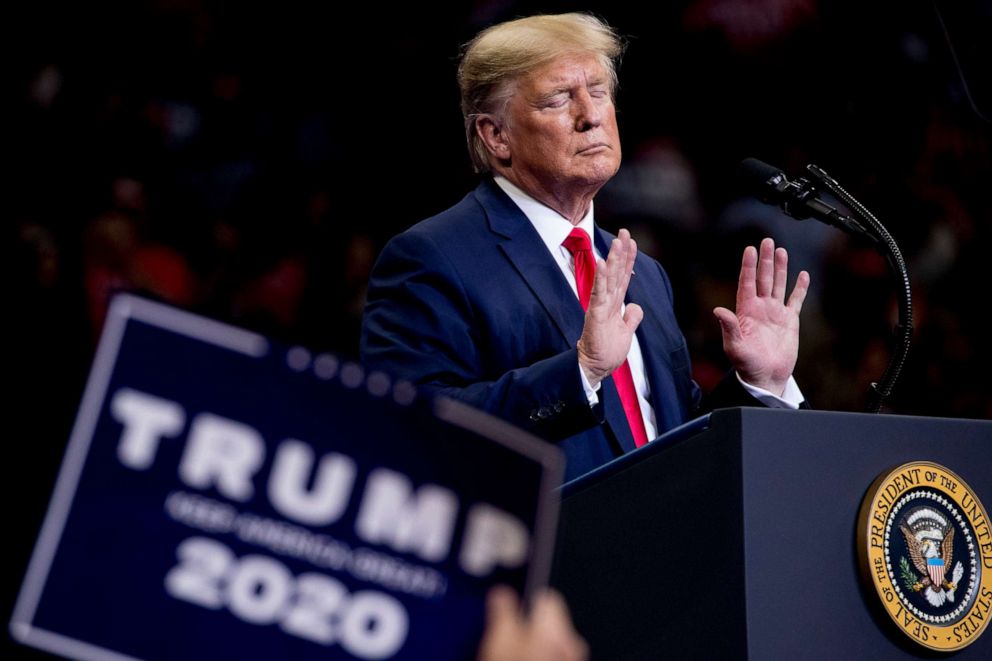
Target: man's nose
point(588, 115)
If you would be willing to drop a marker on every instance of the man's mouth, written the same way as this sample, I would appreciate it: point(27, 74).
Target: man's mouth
point(595, 148)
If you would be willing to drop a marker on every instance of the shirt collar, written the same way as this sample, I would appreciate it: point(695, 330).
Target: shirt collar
point(551, 225)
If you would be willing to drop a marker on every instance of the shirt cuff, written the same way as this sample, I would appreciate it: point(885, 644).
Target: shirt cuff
point(790, 399)
point(592, 394)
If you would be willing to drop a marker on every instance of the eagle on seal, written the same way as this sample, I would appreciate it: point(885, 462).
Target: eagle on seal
point(931, 559)
point(930, 542)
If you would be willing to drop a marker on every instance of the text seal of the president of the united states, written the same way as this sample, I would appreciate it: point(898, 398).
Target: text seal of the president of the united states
point(925, 545)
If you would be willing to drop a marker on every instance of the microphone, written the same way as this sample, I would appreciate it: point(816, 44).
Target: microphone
point(798, 199)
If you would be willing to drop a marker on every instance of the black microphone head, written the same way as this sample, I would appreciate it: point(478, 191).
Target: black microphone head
point(764, 181)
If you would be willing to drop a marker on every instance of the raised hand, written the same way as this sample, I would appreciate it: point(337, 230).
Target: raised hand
point(762, 338)
point(609, 326)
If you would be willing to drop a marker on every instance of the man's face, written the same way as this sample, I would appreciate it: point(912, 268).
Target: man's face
point(561, 128)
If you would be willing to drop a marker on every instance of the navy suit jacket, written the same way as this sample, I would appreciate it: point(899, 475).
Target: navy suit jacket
point(470, 304)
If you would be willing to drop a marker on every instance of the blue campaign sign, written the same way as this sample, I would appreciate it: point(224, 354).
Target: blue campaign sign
point(223, 496)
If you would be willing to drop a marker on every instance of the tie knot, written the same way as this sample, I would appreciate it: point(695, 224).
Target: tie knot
point(577, 241)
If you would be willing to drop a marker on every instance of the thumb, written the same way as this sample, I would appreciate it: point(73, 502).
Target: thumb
point(632, 316)
point(729, 324)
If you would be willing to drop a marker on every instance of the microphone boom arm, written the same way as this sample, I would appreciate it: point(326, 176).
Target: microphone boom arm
point(886, 246)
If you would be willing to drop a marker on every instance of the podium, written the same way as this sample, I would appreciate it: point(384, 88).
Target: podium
point(733, 536)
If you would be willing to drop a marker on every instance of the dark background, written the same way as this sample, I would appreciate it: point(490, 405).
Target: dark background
point(248, 163)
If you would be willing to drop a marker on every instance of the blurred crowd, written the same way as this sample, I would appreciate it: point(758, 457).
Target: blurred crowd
point(248, 164)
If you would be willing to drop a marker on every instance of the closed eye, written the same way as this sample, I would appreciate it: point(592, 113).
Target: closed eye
point(599, 91)
point(555, 99)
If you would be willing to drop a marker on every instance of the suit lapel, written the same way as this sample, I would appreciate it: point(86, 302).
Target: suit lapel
point(523, 246)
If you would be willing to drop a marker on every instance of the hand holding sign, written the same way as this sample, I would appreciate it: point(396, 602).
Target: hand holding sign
point(546, 634)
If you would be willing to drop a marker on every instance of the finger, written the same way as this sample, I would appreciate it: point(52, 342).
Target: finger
point(553, 625)
point(549, 609)
point(613, 263)
point(625, 248)
point(766, 267)
point(745, 284)
point(781, 274)
point(628, 267)
point(597, 297)
point(504, 624)
point(730, 326)
point(799, 292)
point(623, 236)
point(501, 605)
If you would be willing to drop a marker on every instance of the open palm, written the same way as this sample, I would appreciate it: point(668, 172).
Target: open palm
point(761, 339)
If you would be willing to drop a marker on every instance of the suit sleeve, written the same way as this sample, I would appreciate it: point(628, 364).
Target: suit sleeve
point(727, 394)
point(420, 324)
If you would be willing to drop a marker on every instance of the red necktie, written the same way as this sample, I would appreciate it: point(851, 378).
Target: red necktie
point(578, 244)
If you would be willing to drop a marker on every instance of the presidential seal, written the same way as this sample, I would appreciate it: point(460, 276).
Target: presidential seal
point(925, 545)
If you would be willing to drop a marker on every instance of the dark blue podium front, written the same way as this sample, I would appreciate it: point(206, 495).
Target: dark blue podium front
point(735, 536)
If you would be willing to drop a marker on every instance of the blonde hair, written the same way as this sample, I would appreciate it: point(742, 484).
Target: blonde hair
point(501, 54)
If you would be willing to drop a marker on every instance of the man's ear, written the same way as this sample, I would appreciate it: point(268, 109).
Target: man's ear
point(494, 136)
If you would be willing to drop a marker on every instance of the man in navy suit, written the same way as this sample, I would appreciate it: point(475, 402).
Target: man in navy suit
point(488, 303)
